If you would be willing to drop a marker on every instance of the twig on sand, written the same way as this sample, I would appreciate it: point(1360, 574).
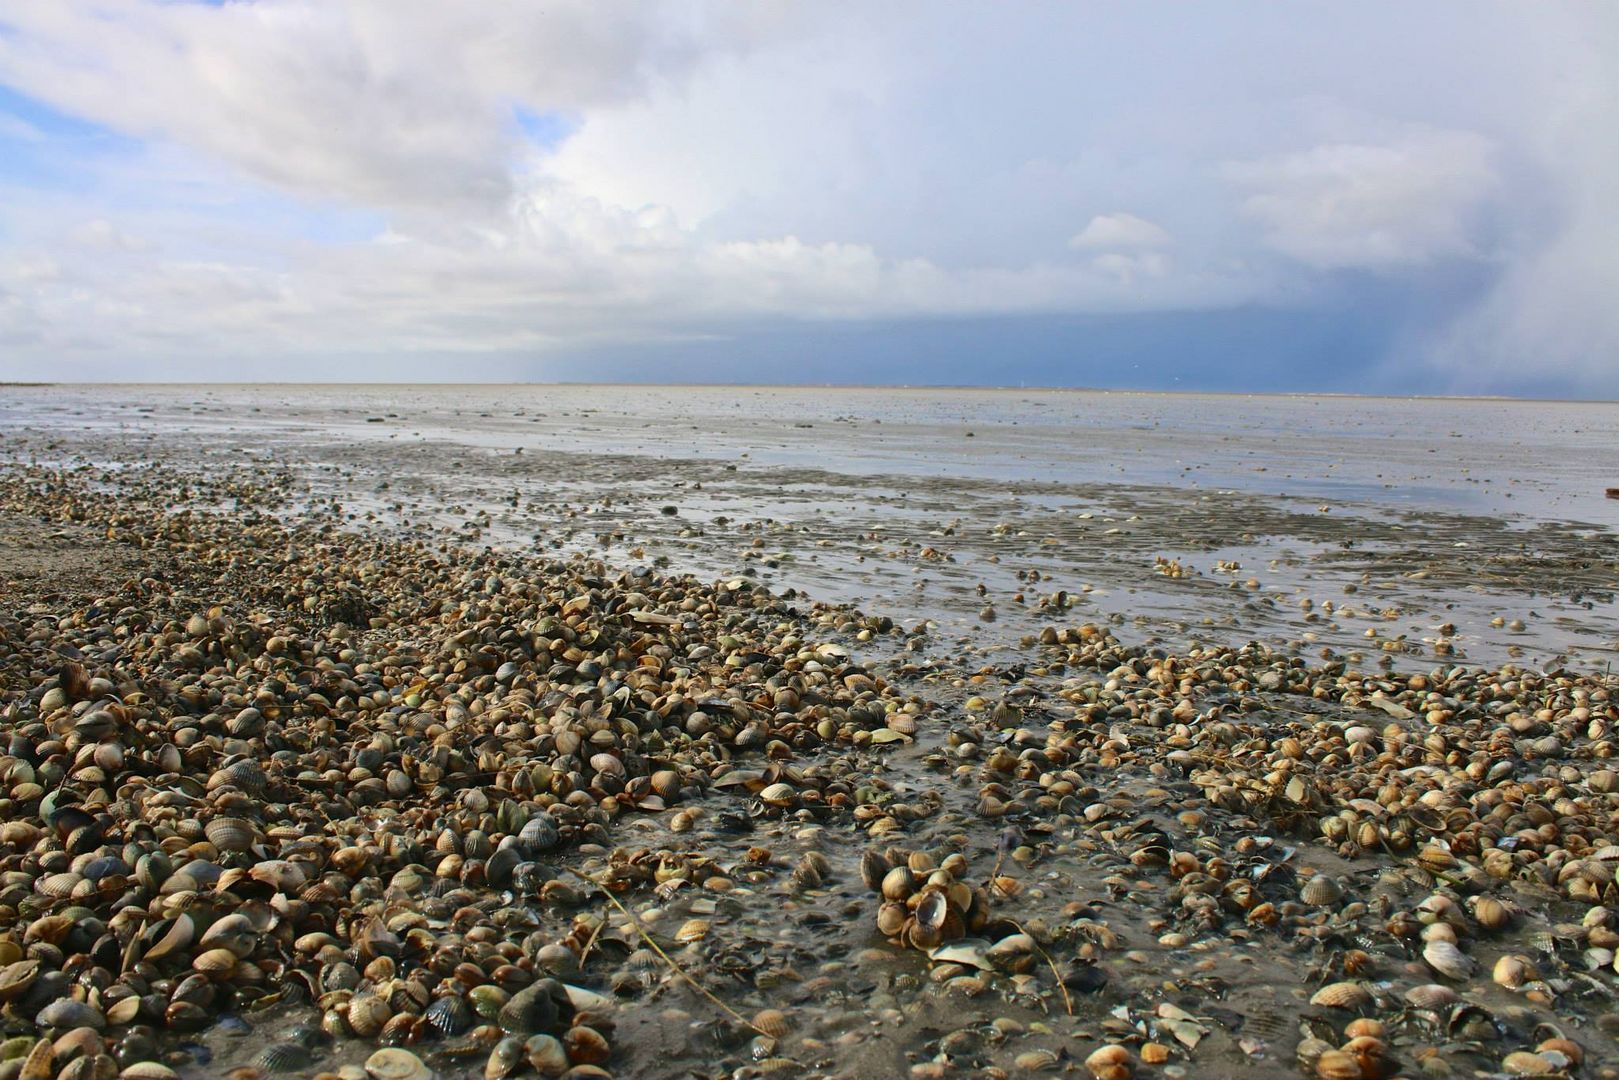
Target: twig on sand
point(1068, 1002)
point(667, 959)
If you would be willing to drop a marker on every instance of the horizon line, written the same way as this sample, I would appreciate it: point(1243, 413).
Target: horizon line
point(934, 387)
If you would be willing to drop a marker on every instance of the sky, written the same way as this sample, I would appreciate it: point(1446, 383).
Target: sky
point(1372, 197)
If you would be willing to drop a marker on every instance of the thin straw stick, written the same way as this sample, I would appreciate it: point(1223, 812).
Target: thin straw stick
point(667, 959)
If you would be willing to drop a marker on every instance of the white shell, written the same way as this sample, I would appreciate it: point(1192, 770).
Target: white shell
point(1449, 961)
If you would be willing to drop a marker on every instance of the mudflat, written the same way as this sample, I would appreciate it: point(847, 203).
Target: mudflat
point(728, 732)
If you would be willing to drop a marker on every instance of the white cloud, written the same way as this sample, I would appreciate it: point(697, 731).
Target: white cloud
point(1347, 205)
point(312, 176)
point(1118, 232)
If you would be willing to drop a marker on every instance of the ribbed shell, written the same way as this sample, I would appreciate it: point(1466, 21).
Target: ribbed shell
point(230, 833)
point(1342, 995)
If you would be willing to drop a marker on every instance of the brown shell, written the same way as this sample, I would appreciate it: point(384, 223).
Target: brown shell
point(1432, 996)
point(215, 963)
point(1321, 891)
point(1342, 995)
point(230, 833)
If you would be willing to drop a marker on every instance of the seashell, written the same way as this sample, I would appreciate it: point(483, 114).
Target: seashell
point(187, 1016)
point(230, 833)
point(281, 1057)
point(68, 1013)
point(1492, 914)
point(396, 1064)
point(530, 1010)
point(59, 886)
point(124, 1011)
point(401, 1028)
point(972, 952)
point(873, 869)
point(1338, 1065)
point(1040, 1060)
point(505, 1058)
point(585, 1045)
point(215, 963)
point(1342, 995)
point(898, 883)
point(1110, 1063)
point(1432, 996)
point(932, 910)
point(40, 1064)
point(16, 978)
point(545, 1054)
point(1321, 891)
point(450, 1016)
point(891, 918)
point(1364, 1026)
point(1525, 1063)
point(1513, 971)
point(1448, 960)
point(778, 795)
point(153, 869)
point(1436, 858)
point(245, 776)
point(772, 1022)
point(488, 1000)
point(367, 1013)
point(148, 1070)
point(1571, 1051)
point(539, 834)
point(691, 930)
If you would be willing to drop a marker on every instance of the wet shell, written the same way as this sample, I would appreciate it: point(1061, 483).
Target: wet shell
point(1342, 995)
point(899, 883)
point(17, 977)
point(1492, 914)
point(230, 833)
point(450, 1016)
point(585, 1045)
point(67, 1013)
point(245, 776)
point(1432, 996)
point(1513, 971)
point(1338, 1065)
point(778, 795)
point(40, 1062)
point(1110, 1063)
point(215, 963)
point(148, 1070)
point(1524, 1063)
point(396, 1064)
point(59, 886)
point(539, 833)
point(873, 868)
point(932, 910)
point(530, 1010)
point(504, 1059)
point(285, 1057)
point(1321, 891)
point(546, 1055)
point(1448, 960)
point(367, 1014)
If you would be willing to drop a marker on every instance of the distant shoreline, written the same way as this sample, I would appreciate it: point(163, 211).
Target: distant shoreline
point(953, 388)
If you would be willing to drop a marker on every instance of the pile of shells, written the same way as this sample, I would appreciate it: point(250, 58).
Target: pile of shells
point(333, 788)
point(925, 903)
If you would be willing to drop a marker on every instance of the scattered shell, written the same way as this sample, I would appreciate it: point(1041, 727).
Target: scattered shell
point(395, 1064)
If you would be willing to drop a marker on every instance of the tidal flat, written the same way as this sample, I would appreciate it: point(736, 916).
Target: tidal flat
point(488, 731)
